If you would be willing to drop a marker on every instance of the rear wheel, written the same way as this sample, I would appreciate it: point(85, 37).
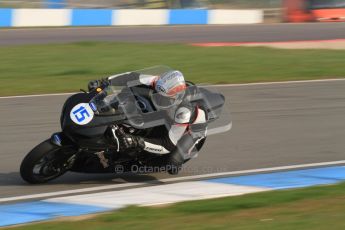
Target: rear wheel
point(45, 162)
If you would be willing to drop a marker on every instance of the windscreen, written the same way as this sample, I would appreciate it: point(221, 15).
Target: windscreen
point(151, 109)
point(106, 102)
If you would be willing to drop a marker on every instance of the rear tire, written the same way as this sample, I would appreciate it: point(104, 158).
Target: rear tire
point(38, 156)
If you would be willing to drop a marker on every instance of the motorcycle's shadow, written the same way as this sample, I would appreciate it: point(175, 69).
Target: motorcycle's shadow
point(70, 178)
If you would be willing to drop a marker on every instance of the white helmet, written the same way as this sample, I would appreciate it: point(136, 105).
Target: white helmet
point(170, 88)
point(170, 84)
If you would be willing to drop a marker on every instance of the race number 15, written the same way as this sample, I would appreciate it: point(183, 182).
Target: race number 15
point(81, 114)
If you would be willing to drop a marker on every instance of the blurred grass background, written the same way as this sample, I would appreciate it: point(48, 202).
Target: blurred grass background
point(320, 207)
point(34, 69)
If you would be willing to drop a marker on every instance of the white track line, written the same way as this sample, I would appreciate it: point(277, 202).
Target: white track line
point(281, 82)
point(37, 95)
point(220, 85)
point(169, 180)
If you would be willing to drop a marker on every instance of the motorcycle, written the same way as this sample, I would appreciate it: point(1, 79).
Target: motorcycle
point(89, 121)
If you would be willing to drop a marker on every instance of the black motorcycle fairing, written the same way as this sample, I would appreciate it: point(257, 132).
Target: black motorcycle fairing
point(96, 128)
point(94, 162)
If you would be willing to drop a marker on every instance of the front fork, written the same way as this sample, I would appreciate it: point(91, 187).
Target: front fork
point(60, 140)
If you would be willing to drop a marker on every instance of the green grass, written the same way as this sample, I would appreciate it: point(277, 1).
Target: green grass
point(309, 208)
point(68, 67)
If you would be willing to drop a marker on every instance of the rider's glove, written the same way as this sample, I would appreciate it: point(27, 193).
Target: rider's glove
point(132, 142)
point(129, 142)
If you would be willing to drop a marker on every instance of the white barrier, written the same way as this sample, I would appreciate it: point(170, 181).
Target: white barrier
point(235, 16)
point(41, 17)
point(107, 17)
point(140, 17)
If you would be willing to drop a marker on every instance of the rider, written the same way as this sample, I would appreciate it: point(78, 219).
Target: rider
point(187, 128)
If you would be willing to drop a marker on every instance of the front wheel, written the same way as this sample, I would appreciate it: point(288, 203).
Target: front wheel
point(44, 163)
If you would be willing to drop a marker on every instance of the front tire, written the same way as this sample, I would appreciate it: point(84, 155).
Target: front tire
point(43, 163)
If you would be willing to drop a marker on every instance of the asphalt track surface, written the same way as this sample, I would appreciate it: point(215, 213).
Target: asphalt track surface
point(208, 33)
point(273, 125)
